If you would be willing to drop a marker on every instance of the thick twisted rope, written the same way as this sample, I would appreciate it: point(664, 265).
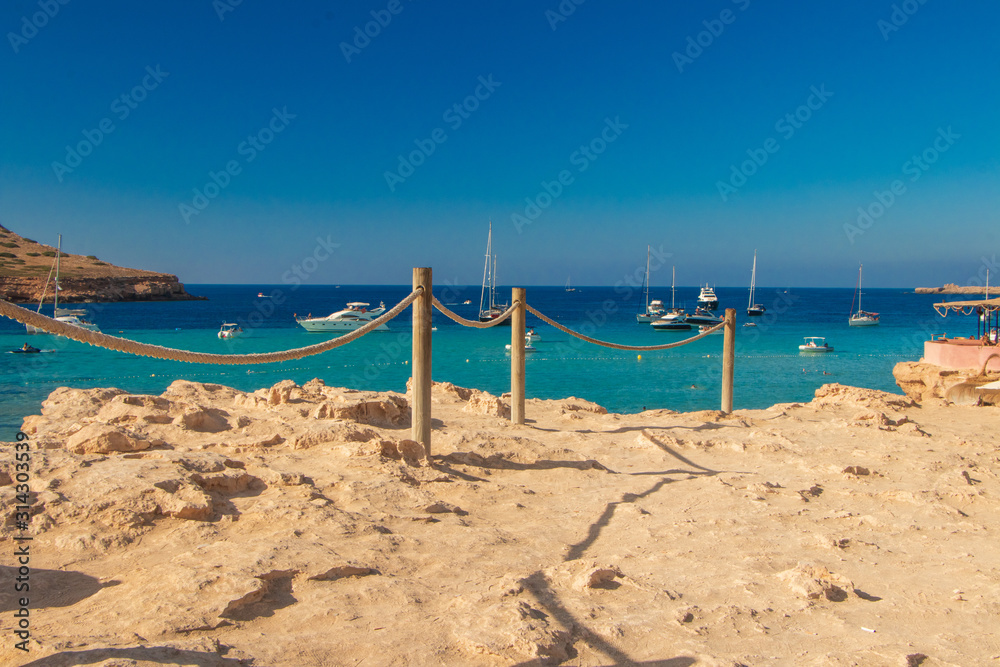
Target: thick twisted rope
point(618, 346)
point(472, 323)
point(97, 339)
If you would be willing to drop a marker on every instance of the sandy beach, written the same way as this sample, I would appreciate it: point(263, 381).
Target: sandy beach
point(299, 526)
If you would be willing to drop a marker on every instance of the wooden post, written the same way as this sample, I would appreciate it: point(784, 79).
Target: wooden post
point(420, 412)
point(728, 358)
point(517, 356)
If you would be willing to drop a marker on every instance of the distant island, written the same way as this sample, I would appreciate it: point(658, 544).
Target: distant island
point(951, 288)
point(25, 265)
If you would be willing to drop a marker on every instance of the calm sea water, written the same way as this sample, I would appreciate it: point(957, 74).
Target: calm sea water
point(769, 368)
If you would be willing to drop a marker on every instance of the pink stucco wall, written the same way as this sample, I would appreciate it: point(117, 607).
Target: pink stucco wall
point(961, 353)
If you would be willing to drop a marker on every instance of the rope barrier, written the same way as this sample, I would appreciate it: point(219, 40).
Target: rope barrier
point(472, 323)
point(618, 346)
point(98, 339)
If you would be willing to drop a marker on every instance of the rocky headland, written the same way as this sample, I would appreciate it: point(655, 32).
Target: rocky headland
point(298, 525)
point(951, 288)
point(25, 265)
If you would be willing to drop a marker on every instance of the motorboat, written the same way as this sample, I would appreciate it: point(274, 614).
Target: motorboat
point(530, 336)
point(673, 319)
point(527, 347)
point(354, 316)
point(815, 344)
point(707, 298)
point(489, 306)
point(654, 309)
point(230, 330)
point(703, 316)
point(861, 318)
point(26, 349)
point(704, 328)
point(75, 316)
point(754, 309)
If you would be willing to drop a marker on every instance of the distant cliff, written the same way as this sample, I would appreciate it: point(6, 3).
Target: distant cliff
point(951, 288)
point(25, 266)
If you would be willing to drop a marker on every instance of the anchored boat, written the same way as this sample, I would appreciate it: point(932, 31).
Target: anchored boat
point(75, 316)
point(861, 318)
point(815, 344)
point(355, 316)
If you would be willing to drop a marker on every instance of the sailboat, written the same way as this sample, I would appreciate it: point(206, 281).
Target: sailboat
point(674, 320)
point(568, 288)
point(489, 308)
point(861, 318)
point(75, 316)
point(654, 309)
point(754, 309)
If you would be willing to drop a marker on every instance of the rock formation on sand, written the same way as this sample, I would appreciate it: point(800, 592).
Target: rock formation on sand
point(299, 525)
point(25, 264)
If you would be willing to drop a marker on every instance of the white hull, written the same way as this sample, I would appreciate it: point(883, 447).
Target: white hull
point(323, 325)
point(75, 321)
point(863, 321)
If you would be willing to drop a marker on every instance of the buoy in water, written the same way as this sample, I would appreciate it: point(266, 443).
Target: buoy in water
point(639, 357)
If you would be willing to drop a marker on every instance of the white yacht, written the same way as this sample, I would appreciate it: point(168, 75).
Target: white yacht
point(354, 316)
point(707, 298)
point(702, 316)
point(75, 316)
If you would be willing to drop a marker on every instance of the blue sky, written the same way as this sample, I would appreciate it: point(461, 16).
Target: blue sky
point(706, 129)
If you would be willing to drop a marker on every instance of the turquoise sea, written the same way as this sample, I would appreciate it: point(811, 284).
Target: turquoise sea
point(769, 368)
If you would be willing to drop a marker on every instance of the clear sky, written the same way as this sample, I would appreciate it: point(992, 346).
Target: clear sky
point(708, 129)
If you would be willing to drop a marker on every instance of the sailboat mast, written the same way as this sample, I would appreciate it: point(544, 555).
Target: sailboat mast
point(486, 266)
point(673, 277)
point(753, 278)
point(860, 266)
point(646, 280)
point(493, 284)
point(55, 293)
